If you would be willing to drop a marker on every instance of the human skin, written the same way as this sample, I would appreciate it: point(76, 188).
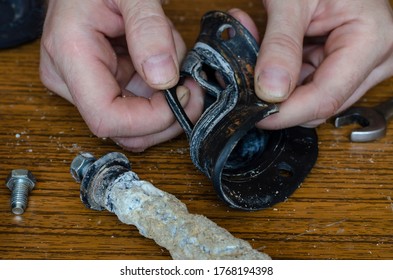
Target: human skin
point(315, 82)
point(112, 61)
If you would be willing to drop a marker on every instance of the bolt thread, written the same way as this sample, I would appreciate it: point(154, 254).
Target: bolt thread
point(19, 197)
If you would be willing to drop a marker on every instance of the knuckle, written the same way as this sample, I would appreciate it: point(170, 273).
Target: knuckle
point(328, 107)
point(283, 47)
point(99, 127)
point(147, 24)
point(266, 3)
point(44, 75)
point(133, 144)
point(46, 44)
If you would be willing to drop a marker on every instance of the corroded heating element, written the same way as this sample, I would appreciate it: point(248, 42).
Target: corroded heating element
point(108, 183)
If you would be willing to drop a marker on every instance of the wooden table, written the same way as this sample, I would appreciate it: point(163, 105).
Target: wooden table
point(343, 210)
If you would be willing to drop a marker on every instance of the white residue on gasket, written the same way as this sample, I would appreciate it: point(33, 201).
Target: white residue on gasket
point(165, 219)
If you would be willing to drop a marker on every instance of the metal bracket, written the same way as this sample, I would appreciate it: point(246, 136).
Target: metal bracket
point(250, 168)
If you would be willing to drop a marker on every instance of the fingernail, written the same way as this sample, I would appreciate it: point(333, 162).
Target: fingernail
point(183, 94)
point(160, 70)
point(273, 85)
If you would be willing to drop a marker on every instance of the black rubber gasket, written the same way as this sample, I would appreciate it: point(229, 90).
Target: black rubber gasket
point(99, 176)
point(251, 169)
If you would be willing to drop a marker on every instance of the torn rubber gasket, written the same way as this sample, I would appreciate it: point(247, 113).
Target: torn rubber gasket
point(250, 168)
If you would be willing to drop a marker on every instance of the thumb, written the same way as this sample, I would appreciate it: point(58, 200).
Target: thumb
point(151, 42)
point(280, 57)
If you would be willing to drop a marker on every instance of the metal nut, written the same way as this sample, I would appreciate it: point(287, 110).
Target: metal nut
point(20, 175)
point(80, 165)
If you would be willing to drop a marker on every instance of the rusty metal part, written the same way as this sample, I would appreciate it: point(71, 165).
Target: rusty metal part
point(108, 183)
point(95, 176)
point(20, 182)
point(250, 168)
point(373, 121)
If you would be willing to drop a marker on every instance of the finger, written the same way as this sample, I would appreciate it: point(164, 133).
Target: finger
point(138, 86)
point(193, 109)
point(98, 95)
point(333, 85)
point(377, 75)
point(124, 70)
point(62, 41)
point(280, 58)
point(51, 78)
point(312, 58)
point(150, 42)
point(141, 143)
point(126, 116)
point(90, 70)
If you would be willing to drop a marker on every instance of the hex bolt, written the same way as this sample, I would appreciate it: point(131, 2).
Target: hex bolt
point(20, 182)
point(80, 165)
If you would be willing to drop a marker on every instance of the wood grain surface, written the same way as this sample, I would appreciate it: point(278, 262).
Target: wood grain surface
point(343, 210)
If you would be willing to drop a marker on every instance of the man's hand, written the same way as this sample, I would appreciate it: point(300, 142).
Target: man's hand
point(316, 81)
point(110, 58)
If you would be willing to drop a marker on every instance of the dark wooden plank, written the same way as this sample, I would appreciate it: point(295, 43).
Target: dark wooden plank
point(343, 210)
